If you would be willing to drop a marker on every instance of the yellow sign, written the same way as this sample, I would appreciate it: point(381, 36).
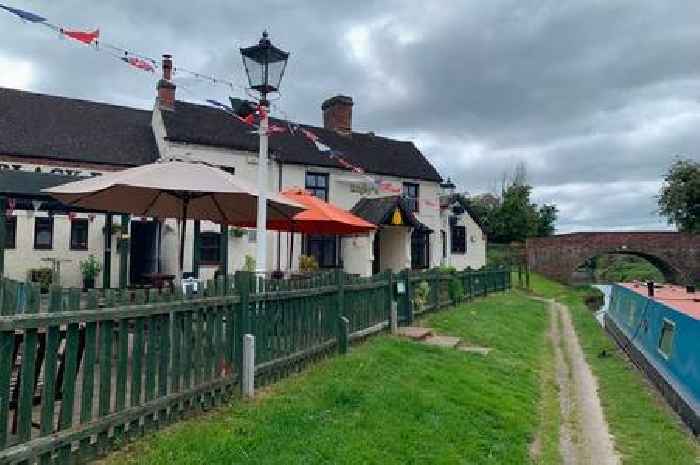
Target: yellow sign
point(396, 218)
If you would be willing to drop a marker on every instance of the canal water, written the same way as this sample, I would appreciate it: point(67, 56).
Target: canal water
point(606, 289)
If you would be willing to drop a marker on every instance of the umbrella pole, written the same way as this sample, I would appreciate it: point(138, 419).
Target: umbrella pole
point(183, 223)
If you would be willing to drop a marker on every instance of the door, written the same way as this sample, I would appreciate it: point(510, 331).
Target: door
point(376, 252)
point(143, 251)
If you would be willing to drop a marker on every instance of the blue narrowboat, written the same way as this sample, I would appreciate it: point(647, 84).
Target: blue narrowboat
point(658, 326)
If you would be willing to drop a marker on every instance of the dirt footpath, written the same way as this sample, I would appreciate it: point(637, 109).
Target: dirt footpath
point(584, 437)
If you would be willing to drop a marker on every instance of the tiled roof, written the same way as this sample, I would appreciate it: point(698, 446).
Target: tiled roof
point(197, 124)
point(60, 128)
point(378, 211)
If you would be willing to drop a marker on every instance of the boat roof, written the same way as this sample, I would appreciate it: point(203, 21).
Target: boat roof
point(676, 297)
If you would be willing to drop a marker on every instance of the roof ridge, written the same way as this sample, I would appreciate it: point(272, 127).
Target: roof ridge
point(72, 99)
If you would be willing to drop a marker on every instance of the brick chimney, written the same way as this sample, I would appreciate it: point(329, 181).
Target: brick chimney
point(166, 89)
point(337, 113)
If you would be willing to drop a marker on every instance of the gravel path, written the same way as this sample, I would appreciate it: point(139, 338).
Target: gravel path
point(584, 436)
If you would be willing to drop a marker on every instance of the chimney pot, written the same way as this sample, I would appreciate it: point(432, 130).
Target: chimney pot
point(337, 113)
point(165, 87)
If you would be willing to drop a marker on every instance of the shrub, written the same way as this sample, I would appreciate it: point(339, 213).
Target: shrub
point(249, 264)
point(90, 268)
point(308, 264)
point(420, 295)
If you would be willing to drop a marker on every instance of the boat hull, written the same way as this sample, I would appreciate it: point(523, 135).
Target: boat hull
point(637, 324)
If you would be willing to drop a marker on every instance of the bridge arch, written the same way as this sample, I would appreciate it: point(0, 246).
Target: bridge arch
point(676, 255)
point(670, 273)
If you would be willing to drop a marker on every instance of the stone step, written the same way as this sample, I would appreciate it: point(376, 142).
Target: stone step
point(414, 332)
point(442, 341)
point(474, 350)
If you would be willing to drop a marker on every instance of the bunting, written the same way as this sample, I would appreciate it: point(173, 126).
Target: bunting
point(85, 37)
point(140, 64)
point(25, 15)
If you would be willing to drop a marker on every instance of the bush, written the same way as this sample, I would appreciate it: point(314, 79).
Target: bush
point(420, 295)
point(455, 289)
point(308, 264)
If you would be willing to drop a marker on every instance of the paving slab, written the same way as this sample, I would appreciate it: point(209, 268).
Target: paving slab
point(475, 350)
point(414, 332)
point(442, 341)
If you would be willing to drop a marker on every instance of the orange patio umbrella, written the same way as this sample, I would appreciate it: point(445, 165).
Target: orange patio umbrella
point(319, 217)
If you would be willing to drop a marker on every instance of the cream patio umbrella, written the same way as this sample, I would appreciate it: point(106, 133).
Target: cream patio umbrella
point(175, 189)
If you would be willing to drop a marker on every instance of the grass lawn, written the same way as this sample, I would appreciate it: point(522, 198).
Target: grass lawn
point(645, 431)
point(389, 401)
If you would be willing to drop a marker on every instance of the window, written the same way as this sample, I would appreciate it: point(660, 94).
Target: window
point(79, 234)
point(666, 339)
point(323, 249)
point(11, 232)
point(252, 236)
point(458, 236)
point(443, 238)
point(43, 233)
point(410, 193)
point(317, 184)
point(420, 250)
point(209, 248)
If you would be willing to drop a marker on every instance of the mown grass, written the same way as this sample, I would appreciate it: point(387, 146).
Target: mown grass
point(389, 401)
point(644, 428)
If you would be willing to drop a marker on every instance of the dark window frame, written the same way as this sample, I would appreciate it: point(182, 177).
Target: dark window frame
point(311, 184)
point(43, 220)
point(209, 248)
point(74, 224)
point(10, 232)
point(412, 198)
point(458, 237)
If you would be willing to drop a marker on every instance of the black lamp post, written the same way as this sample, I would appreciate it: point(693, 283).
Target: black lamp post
point(264, 64)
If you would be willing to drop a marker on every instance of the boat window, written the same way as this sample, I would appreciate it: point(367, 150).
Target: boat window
point(666, 339)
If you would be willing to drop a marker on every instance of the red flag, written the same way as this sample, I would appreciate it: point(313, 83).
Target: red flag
point(309, 135)
point(84, 37)
point(140, 64)
point(248, 120)
point(275, 129)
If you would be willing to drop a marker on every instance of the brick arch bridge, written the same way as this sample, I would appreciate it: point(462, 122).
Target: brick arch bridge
point(676, 255)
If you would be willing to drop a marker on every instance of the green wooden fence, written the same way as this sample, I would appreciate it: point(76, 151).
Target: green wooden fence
point(80, 373)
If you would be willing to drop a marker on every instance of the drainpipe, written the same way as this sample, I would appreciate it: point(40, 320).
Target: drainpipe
point(279, 233)
point(124, 252)
point(107, 260)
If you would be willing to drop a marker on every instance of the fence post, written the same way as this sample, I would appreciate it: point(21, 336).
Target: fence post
point(340, 309)
point(408, 297)
point(242, 279)
point(248, 367)
point(3, 203)
point(344, 335)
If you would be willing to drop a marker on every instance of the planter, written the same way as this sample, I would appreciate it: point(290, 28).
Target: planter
point(88, 283)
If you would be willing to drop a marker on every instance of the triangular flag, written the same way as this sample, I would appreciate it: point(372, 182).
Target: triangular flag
point(322, 147)
point(25, 15)
point(84, 37)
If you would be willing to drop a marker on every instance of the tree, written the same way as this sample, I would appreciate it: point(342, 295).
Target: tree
point(679, 200)
point(547, 216)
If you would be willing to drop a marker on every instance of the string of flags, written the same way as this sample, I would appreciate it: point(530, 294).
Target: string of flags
point(150, 65)
point(92, 38)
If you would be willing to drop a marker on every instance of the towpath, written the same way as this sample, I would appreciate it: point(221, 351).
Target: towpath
point(584, 435)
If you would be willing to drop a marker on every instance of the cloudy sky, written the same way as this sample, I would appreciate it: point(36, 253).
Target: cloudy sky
point(596, 97)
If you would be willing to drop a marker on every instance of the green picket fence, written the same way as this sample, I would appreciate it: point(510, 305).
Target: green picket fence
point(82, 372)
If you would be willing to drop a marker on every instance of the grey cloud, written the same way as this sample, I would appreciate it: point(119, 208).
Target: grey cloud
point(587, 93)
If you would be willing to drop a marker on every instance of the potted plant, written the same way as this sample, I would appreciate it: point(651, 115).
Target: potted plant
point(308, 264)
point(89, 269)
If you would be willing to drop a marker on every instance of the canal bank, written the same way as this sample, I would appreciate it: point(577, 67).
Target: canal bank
point(645, 429)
